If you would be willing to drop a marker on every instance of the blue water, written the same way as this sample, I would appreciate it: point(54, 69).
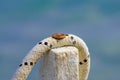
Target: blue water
point(23, 23)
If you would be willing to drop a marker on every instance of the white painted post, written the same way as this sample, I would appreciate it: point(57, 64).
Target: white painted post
point(60, 64)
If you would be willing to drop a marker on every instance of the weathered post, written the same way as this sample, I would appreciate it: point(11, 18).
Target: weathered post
point(60, 64)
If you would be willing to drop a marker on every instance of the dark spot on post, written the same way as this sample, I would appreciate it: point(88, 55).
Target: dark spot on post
point(31, 63)
point(85, 60)
point(20, 65)
point(80, 63)
point(25, 63)
point(40, 42)
point(46, 43)
point(50, 46)
point(72, 37)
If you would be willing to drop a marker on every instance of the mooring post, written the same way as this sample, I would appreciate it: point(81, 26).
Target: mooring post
point(60, 64)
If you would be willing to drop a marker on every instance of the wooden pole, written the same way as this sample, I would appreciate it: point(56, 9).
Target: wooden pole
point(60, 64)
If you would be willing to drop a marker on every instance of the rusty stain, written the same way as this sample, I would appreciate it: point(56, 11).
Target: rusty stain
point(59, 36)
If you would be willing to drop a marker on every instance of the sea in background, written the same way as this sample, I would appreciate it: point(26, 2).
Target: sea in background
point(23, 23)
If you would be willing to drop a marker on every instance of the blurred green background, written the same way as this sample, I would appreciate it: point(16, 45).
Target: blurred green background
point(23, 23)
